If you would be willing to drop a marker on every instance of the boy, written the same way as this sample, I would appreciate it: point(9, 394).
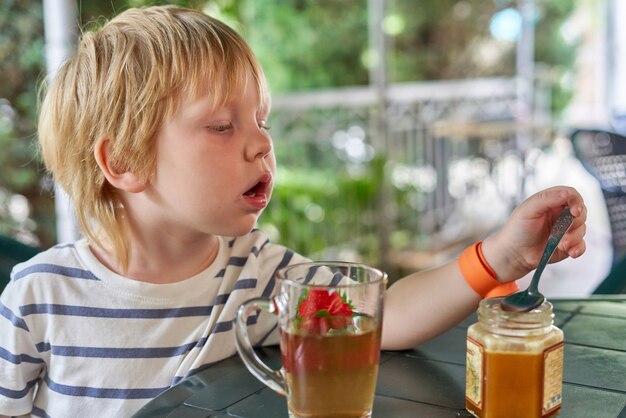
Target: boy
point(156, 128)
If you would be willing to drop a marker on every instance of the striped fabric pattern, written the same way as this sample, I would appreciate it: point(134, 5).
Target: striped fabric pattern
point(79, 340)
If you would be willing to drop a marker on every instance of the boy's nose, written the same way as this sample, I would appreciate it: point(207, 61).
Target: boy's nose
point(259, 146)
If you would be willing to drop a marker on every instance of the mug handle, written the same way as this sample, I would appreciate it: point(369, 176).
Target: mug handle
point(271, 378)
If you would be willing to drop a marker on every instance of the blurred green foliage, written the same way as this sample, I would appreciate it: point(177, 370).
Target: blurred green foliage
point(552, 51)
point(21, 58)
point(308, 44)
point(303, 45)
point(312, 44)
point(319, 207)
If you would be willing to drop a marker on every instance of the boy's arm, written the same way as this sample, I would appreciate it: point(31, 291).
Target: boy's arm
point(424, 304)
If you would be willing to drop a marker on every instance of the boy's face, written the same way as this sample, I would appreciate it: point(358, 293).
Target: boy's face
point(214, 167)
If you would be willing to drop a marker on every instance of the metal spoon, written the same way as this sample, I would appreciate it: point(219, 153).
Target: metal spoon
point(530, 298)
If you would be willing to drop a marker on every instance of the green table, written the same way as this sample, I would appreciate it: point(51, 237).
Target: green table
point(429, 381)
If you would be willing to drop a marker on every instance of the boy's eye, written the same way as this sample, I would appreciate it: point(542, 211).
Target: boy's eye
point(220, 127)
point(263, 125)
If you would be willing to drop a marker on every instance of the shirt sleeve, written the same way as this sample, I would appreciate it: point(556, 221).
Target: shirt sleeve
point(20, 362)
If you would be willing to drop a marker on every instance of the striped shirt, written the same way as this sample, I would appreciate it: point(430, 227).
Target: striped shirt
point(77, 339)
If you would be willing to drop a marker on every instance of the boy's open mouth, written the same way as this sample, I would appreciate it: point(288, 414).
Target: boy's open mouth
point(258, 188)
point(261, 187)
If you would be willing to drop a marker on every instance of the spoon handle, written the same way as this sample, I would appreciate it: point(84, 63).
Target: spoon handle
point(560, 227)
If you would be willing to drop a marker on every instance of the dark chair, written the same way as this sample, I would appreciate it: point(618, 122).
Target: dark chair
point(603, 154)
point(11, 253)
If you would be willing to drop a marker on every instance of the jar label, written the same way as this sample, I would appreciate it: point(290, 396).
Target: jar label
point(474, 373)
point(552, 378)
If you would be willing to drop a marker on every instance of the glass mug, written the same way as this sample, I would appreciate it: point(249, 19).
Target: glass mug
point(330, 324)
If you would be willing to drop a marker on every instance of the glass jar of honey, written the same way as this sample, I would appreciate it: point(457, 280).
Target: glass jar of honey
point(514, 363)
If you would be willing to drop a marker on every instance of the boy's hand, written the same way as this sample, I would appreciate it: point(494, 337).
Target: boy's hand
point(516, 249)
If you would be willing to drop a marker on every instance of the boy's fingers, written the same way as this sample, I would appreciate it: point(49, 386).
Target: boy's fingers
point(556, 197)
point(577, 250)
point(580, 218)
point(573, 237)
point(573, 243)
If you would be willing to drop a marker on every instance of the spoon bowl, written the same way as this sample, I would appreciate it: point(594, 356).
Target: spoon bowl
point(530, 298)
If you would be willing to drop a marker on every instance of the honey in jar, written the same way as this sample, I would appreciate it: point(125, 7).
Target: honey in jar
point(514, 364)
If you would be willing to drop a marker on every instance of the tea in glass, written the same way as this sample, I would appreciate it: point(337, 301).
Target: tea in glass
point(334, 374)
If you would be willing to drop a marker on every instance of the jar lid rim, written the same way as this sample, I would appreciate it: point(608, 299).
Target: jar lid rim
point(492, 307)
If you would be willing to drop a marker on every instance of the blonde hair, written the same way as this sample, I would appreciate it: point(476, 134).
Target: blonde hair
point(122, 84)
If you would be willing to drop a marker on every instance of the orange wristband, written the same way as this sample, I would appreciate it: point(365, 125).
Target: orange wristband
point(479, 274)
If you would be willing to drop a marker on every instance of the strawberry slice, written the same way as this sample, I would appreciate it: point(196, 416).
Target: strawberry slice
point(316, 300)
point(321, 310)
point(337, 306)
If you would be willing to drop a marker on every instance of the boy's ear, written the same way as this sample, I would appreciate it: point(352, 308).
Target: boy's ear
point(123, 180)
